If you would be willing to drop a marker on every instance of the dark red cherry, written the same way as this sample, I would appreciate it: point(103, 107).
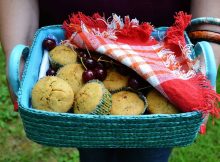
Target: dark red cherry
point(100, 65)
point(124, 70)
point(143, 83)
point(134, 83)
point(100, 73)
point(51, 72)
point(89, 63)
point(83, 55)
point(49, 44)
point(88, 75)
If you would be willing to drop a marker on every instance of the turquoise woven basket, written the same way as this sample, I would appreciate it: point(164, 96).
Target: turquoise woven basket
point(97, 131)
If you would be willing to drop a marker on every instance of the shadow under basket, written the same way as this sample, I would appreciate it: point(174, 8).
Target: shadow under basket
point(97, 131)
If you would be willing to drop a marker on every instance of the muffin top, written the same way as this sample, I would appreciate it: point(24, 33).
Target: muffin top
point(63, 55)
point(72, 73)
point(158, 104)
point(115, 81)
point(52, 94)
point(127, 103)
point(88, 98)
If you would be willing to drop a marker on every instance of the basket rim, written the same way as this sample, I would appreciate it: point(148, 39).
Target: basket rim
point(93, 116)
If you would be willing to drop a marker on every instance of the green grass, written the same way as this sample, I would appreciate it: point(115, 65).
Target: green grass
point(15, 147)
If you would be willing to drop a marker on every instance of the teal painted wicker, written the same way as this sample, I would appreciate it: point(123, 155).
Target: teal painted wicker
point(98, 131)
point(72, 130)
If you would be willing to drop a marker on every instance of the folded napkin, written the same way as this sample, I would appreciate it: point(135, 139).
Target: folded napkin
point(164, 62)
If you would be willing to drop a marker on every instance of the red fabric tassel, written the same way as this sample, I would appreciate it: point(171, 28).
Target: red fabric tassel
point(133, 34)
point(73, 24)
point(175, 34)
point(202, 129)
point(196, 95)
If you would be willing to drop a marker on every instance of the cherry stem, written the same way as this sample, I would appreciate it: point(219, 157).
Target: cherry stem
point(99, 59)
point(81, 60)
point(87, 50)
point(144, 88)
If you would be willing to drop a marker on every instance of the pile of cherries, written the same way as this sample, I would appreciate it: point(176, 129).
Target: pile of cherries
point(96, 68)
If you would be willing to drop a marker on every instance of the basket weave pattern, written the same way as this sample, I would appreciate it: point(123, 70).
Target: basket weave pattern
point(74, 130)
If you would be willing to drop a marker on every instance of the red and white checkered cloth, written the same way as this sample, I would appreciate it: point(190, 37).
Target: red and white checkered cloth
point(164, 64)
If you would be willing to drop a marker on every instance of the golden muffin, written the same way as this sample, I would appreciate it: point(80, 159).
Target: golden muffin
point(72, 73)
point(52, 94)
point(62, 55)
point(158, 104)
point(93, 98)
point(115, 81)
point(128, 103)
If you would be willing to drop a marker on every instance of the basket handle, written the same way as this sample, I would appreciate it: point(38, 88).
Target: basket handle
point(16, 55)
point(204, 49)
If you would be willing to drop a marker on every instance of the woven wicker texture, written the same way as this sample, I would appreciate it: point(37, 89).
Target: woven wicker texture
point(98, 131)
point(68, 130)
